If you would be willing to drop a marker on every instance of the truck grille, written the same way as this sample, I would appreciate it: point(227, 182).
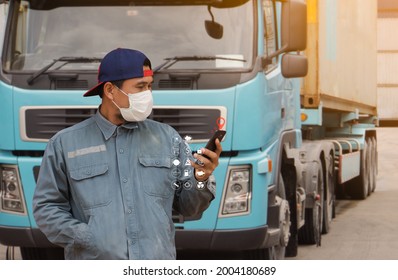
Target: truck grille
point(39, 124)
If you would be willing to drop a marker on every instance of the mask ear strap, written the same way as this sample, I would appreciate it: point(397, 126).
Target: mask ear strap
point(123, 92)
point(113, 100)
point(115, 104)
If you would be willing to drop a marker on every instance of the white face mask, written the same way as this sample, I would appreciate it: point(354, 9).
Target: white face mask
point(140, 108)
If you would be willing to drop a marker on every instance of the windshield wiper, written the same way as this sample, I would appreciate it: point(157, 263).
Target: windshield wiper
point(170, 61)
point(66, 59)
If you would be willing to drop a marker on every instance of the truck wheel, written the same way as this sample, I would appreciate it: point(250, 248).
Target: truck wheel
point(29, 253)
point(358, 187)
point(310, 233)
point(276, 252)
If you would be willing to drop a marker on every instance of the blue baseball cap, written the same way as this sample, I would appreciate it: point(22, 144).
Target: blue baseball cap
point(120, 64)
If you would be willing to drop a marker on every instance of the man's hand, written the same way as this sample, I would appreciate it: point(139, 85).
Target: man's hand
point(204, 170)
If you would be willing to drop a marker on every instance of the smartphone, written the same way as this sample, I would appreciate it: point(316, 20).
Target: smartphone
point(211, 145)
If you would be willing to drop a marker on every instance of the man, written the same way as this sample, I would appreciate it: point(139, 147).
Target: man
point(107, 185)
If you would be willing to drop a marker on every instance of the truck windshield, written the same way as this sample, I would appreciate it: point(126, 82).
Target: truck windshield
point(42, 33)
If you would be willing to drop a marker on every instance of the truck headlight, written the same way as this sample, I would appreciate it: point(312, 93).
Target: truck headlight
point(12, 199)
point(237, 192)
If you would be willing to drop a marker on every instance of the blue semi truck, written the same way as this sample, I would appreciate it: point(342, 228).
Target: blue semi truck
point(291, 146)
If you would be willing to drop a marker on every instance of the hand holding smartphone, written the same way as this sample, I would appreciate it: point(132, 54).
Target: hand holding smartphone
point(211, 145)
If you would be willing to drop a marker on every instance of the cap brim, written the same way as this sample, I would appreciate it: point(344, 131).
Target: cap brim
point(96, 90)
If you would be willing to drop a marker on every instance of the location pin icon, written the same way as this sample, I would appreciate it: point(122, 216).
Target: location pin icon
point(220, 123)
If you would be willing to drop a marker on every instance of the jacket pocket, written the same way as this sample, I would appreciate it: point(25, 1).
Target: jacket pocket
point(91, 185)
point(156, 175)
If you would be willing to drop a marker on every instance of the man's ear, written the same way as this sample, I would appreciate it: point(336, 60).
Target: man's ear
point(108, 88)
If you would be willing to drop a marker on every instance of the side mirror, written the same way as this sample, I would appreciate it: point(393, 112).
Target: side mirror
point(294, 26)
point(293, 29)
point(294, 65)
point(214, 29)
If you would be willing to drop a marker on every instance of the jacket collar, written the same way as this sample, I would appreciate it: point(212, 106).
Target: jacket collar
point(107, 128)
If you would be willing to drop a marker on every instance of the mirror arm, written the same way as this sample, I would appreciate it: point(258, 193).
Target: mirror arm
point(211, 14)
point(266, 60)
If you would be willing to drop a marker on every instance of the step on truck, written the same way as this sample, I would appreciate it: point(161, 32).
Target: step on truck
point(292, 144)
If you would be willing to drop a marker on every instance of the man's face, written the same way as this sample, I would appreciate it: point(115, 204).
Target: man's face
point(132, 86)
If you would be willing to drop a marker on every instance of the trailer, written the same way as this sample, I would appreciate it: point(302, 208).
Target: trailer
point(339, 92)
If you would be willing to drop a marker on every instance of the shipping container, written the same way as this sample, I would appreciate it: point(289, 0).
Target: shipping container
point(387, 70)
point(341, 51)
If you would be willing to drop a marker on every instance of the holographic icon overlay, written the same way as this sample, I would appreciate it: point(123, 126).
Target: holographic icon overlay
point(182, 173)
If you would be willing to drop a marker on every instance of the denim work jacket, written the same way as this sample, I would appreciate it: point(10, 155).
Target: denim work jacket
point(107, 192)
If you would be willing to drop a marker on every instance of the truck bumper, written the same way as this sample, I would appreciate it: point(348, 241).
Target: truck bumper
point(23, 237)
point(222, 240)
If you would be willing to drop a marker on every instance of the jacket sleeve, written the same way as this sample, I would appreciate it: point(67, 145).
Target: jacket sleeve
point(192, 198)
point(51, 204)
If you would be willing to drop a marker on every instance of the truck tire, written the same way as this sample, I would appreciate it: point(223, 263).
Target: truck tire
point(292, 246)
point(276, 252)
point(372, 165)
point(329, 201)
point(10, 253)
point(310, 233)
point(30, 253)
point(358, 188)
